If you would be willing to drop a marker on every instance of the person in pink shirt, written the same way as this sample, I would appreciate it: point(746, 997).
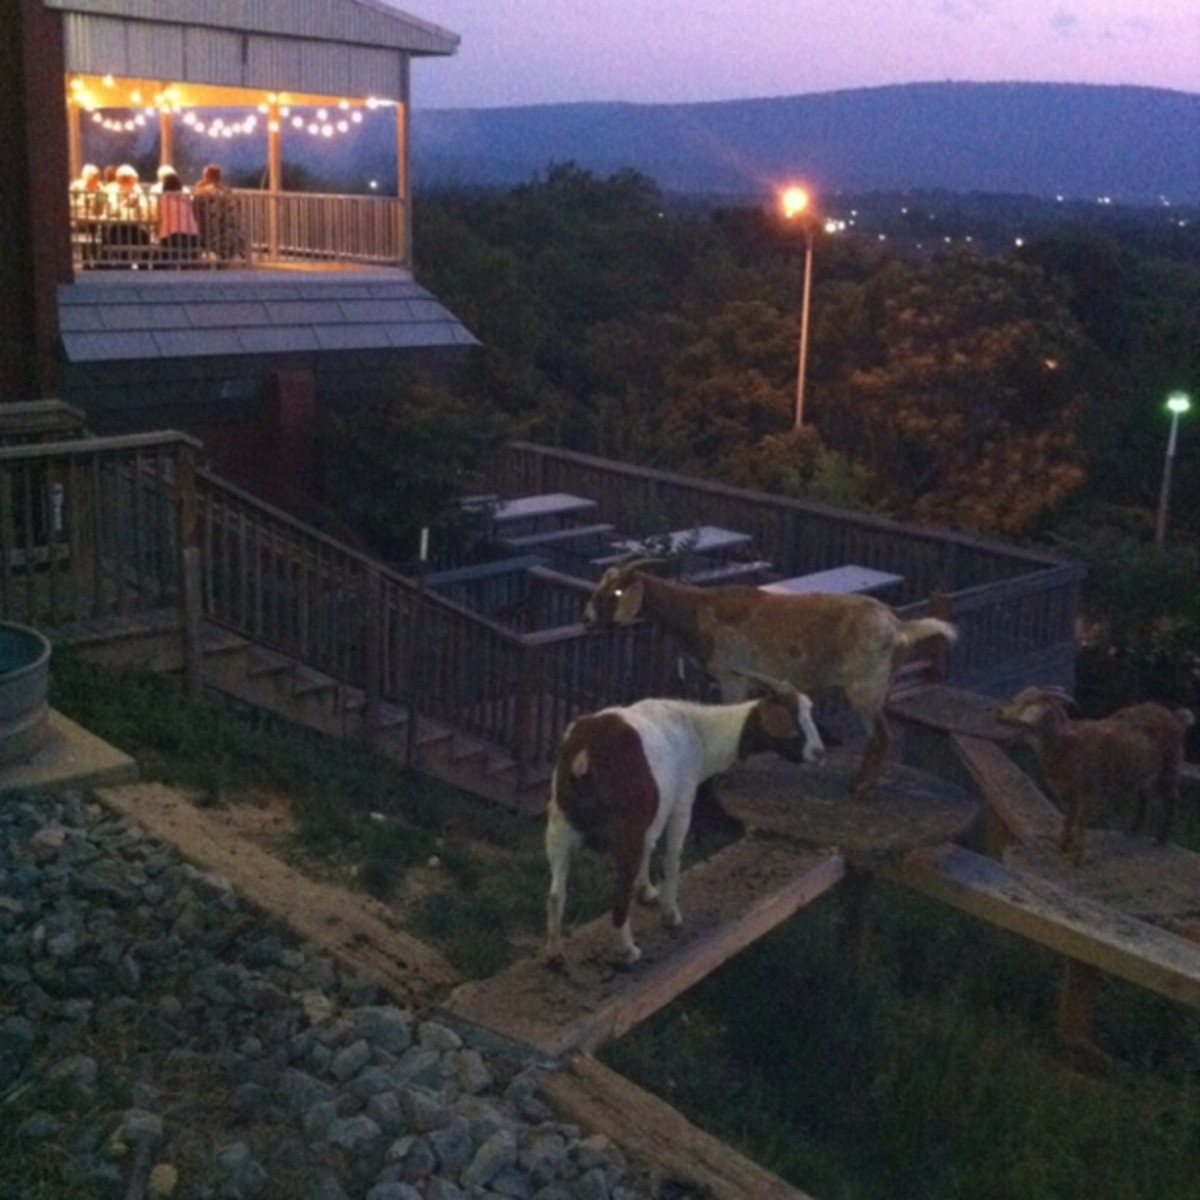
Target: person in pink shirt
point(178, 232)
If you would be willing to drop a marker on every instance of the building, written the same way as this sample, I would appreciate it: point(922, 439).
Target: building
point(313, 304)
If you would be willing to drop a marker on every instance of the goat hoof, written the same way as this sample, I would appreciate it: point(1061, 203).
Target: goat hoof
point(648, 895)
point(629, 958)
point(673, 920)
point(555, 962)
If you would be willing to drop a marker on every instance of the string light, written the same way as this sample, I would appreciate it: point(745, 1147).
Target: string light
point(319, 124)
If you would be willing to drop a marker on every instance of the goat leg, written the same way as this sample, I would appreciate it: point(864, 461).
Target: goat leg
point(1170, 801)
point(867, 776)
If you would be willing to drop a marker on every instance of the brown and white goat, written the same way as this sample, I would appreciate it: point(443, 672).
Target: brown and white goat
point(1136, 751)
point(815, 642)
point(624, 775)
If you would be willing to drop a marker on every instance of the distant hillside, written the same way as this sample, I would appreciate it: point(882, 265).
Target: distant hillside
point(1133, 144)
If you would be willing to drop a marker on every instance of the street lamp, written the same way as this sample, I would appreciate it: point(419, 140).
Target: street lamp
point(798, 206)
point(1177, 404)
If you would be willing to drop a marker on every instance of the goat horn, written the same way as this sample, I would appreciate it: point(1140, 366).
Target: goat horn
point(778, 686)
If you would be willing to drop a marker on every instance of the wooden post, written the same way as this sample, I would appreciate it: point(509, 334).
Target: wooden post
point(373, 642)
point(1077, 1005)
point(166, 138)
point(274, 174)
point(190, 568)
point(940, 605)
point(404, 216)
point(854, 924)
point(412, 684)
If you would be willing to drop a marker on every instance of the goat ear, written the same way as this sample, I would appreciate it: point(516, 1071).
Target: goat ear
point(629, 604)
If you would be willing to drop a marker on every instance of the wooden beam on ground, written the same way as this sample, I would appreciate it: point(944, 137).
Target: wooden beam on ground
point(353, 929)
point(728, 901)
point(1085, 930)
point(657, 1138)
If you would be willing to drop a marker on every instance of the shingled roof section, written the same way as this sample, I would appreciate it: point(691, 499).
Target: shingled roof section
point(158, 315)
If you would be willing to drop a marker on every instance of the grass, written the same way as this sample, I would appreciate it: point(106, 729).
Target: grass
point(934, 1074)
point(357, 815)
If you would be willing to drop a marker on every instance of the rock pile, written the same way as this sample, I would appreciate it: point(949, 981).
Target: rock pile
point(160, 1037)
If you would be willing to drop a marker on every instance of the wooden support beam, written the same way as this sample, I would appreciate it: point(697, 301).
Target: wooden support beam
point(1087, 931)
point(658, 1138)
point(1017, 808)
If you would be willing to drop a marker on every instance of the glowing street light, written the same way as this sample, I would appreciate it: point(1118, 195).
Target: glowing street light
point(798, 206)
point(1177, 404)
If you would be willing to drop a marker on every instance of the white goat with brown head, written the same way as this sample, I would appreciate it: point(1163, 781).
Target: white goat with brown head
point(626, 775)
point(1133, 753)
point(815, 642)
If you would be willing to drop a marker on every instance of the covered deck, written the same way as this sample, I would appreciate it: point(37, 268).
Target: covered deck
point(199, 83)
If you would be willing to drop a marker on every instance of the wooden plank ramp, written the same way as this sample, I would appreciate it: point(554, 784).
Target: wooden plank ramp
point(728, 901)
point(659, 1138)
point(1020, 807)
point(1083, 929)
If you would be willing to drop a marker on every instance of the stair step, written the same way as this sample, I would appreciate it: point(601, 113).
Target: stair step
point(310, 683)
point(215, 640)
point(262, 662)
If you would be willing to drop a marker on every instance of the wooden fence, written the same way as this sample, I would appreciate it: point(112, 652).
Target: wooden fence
point(96, 528)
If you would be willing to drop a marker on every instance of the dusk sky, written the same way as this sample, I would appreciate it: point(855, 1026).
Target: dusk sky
point(517, 52)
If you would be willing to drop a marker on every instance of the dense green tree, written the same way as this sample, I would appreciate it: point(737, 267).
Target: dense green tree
point(397, 466)
point(964, 398)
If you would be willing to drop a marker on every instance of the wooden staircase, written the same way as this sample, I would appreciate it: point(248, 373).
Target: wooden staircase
point(235, 668)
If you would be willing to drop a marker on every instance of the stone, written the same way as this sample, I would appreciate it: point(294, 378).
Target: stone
point(348, 1061)
point(164, 1179)
point(357, 1135)
point(385, 1027)
point(498, 1152)
point(300, 1091)
point(452, 1144)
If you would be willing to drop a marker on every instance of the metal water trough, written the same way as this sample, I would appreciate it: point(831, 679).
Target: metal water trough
point(24, 686)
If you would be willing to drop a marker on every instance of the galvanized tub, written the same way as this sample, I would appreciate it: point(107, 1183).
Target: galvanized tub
point(24, 686)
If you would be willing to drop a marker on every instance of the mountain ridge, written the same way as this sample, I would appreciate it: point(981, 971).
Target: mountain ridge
point(1133, 143)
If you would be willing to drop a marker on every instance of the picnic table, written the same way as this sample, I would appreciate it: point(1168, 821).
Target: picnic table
point(699, 539)
point(839, 580)
point(526, 515)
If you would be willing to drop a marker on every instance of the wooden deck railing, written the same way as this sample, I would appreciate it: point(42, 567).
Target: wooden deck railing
point(798, 536)
point(242, 228)
point(93, 528)
point(100, 527)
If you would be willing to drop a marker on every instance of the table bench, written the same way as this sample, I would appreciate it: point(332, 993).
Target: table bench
point(837, 580)
point(578, 539)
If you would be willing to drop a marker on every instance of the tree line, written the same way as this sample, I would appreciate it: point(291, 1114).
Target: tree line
point(1019, 394)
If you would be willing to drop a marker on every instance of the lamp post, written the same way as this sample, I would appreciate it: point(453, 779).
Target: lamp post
point(798, 206)
point(1177, 404)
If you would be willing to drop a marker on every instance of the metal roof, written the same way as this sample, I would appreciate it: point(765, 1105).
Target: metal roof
point(357, 22)
point(341, 48)
point(160, 316)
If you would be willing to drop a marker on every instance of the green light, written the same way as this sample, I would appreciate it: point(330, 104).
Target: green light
point(1178, 402)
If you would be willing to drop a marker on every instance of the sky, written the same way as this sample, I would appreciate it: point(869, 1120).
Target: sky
point(519, 52)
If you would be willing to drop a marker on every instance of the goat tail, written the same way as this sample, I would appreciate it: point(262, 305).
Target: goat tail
point(1185, 717)
point(911, 632)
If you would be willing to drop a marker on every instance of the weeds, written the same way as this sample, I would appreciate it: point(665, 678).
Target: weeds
point(934, 1073)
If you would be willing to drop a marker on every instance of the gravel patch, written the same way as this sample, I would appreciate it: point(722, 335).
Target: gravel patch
point(159, 1037)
